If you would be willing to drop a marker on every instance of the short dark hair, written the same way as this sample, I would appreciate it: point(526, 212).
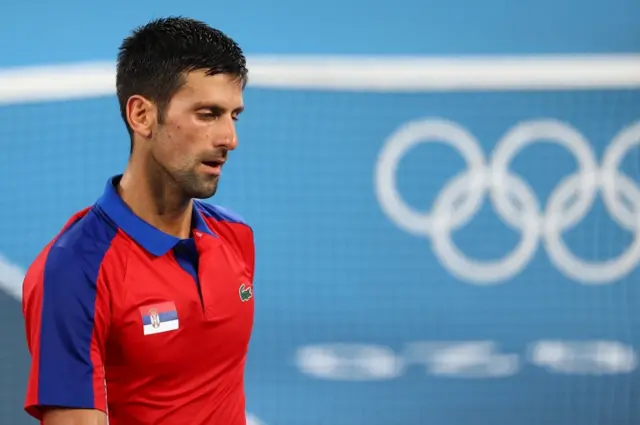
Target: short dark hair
point(154, 59)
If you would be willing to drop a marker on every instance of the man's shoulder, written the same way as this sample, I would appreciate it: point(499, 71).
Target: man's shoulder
point(229, 226)
point(86, 231)
point(81, 243)
point(219, 213)
point(232, 229)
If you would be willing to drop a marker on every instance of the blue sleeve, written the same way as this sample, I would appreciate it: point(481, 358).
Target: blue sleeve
point(66, 307)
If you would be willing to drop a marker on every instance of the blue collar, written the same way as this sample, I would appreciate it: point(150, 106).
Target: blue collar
point(153, 240)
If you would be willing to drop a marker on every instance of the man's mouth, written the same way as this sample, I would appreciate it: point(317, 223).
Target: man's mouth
point(214, 166)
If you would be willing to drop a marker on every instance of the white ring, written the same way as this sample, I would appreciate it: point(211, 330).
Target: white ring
point(612, 183)
point(526, 134)
point(489, 272)
point(407, 137)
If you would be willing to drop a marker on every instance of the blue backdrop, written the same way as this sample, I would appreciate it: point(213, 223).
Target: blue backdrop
point(369, 312)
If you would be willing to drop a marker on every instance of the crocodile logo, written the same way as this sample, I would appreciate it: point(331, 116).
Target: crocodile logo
point(245, 293)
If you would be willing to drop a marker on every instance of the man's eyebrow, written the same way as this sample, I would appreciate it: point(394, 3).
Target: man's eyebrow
point(218, 108)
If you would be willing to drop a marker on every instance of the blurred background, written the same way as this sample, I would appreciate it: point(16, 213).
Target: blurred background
point(444, 196)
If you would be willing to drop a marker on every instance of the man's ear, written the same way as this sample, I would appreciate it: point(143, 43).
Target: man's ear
point(141, 115)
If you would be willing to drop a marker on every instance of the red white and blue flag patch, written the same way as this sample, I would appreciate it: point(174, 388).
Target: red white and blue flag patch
point(157, 318)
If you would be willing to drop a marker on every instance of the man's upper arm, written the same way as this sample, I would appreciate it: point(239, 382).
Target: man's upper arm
point(74, 417)
point(66, 311)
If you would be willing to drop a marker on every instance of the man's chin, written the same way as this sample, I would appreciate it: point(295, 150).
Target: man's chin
point(204, 193)
point(198, 186)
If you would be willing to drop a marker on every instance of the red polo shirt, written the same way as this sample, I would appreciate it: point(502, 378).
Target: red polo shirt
point(124, 318)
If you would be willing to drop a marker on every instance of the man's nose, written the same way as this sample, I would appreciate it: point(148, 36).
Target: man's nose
point(227, 137)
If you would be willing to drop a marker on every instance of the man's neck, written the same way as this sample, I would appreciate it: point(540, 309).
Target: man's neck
point(156, 200)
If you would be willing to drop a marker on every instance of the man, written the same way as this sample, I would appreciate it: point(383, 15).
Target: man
point(140, 311)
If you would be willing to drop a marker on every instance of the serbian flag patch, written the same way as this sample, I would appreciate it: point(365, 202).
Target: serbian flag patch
point(158, 318)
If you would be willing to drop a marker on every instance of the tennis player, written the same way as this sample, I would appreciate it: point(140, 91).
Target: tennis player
point(141, 309)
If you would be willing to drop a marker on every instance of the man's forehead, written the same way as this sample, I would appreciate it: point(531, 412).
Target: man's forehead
point(199, 80)
point(222, 90)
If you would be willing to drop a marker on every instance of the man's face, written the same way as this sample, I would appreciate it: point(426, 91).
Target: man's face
point(198, 132)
